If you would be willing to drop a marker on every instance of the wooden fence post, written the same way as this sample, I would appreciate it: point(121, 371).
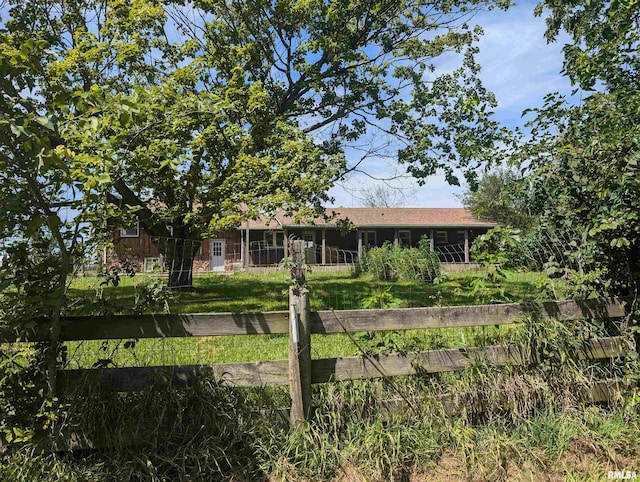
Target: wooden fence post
point(299, 339)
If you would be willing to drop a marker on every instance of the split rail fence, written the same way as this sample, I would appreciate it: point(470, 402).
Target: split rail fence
point(300, 371)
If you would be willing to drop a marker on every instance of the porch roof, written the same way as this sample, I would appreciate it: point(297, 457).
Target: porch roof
point(381, 218)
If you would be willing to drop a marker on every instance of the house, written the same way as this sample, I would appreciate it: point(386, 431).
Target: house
point(261, 242)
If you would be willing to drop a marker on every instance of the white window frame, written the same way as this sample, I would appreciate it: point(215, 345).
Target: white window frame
point(445, 240)
point(151, 259)
point(123, 232)
point(408, 239)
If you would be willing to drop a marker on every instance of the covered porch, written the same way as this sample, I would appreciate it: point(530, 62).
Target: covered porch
point(329, 246)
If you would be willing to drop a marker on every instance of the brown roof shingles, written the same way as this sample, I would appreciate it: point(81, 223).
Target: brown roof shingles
point(383, 217)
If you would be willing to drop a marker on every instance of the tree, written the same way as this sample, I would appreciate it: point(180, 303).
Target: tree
point(584, 158)
point(38, 176)
point(382, 195)
point(501, 195)
point(228, 108)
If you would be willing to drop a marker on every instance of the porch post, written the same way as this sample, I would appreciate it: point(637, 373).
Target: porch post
point(466, 245)
point(247, 253)
point(285, 243)
point(432, 240)
point(359, 234)
point(396, 241)
point(324, 246)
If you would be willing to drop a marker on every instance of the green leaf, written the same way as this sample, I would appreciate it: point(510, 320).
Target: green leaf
point(45, 122)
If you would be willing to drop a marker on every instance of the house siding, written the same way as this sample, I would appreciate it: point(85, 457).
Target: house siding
point(134, 251)
point(339, 247)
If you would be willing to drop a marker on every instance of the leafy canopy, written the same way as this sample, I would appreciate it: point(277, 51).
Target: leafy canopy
point(227, 95)
point(502, 196)
point(584, 158)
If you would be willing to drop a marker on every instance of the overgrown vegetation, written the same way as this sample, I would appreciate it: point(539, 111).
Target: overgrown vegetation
point(580, 165)
point(86, 117)
point(511, 422)
point(394, 262)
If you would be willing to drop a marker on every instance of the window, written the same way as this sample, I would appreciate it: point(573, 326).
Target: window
point(273, 238)
point(153, 265)
point(368, 239)
point(460, 237)
point(309, 238)
point(133, 232)
point(404, 237)
point(216, 248)
point(442, 237)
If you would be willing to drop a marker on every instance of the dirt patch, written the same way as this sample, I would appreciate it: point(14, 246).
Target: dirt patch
point(348, 474)
point(585, 456)
point(581, 458)
point(450, 467)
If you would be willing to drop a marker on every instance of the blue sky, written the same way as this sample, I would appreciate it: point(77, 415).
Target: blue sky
point(517, 65)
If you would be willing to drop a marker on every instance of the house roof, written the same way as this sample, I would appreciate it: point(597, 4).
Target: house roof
point(382, 217)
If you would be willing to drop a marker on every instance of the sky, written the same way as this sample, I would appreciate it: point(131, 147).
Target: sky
point(518, 66)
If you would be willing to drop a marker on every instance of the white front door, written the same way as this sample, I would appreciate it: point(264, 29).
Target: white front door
point(216, 251)
point(309, 238)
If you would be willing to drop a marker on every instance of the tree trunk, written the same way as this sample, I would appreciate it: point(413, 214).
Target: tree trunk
point(179, 255)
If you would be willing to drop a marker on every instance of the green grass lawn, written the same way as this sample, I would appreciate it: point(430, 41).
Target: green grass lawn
point(339, 290)
point(267, 292)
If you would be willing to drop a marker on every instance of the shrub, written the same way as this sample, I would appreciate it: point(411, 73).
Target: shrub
point(390, 263)
point(378, 262)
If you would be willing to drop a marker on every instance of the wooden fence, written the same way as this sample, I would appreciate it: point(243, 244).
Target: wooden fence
point(300, 371)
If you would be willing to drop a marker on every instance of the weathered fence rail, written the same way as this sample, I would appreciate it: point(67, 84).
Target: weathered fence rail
point(338, 369)
point(77, 328)
point(300, 371)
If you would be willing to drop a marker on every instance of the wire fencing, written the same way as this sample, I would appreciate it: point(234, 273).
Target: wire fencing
point(549, 266)
point(451, 253)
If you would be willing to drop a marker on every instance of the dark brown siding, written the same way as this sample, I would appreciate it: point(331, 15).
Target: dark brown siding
point(135, 250)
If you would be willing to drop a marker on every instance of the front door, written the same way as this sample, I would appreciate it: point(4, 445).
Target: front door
point(309, 238)
point(216, 250)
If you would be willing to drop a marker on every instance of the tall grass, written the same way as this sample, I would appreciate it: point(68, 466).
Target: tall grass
point(211, 432)
point(511, 423)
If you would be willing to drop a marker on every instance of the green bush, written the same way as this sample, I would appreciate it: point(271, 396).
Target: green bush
point(378, 262)
point(527, 250)
point(390, 263)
